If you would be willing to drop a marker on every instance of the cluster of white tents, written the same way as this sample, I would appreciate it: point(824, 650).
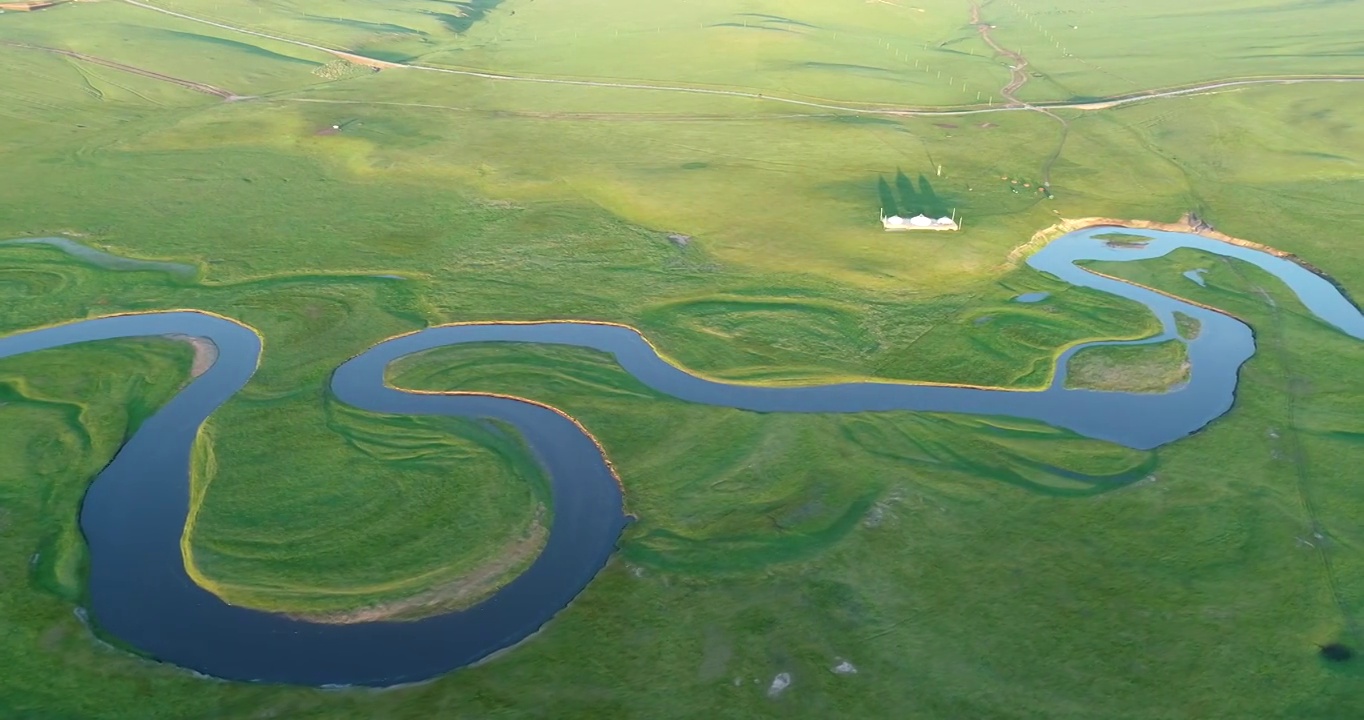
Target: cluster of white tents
point(918, 222)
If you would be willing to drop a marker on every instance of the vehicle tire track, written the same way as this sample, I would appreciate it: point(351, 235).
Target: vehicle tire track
point(1296, 452)
point(198, 87)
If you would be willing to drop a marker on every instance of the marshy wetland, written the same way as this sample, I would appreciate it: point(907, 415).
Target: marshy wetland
point(950, 534)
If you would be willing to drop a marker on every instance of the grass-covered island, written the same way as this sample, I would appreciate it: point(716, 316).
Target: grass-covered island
point(1152, 368)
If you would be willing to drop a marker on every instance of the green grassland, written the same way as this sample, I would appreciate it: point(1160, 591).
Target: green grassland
point(297, 508)
point(1071, 42)
point(924, 54)
point(73, 427)
point(1188, 326)
point(1153, 368)
point(951, 536)
point(968, 567)
point(424, 485)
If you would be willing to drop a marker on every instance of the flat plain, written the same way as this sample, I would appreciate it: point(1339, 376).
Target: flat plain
point(966, 567)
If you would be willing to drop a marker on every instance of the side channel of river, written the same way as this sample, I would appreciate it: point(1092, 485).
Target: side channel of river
point(134, 512)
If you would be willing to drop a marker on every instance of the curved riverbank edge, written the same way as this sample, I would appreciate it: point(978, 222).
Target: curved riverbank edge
point(822, 381)
point(517, 398)
point(139, 510)
point(205, 353)
point(1187, 223)
point(136, 513)
point(469, 588)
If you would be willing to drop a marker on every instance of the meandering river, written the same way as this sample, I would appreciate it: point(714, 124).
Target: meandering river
point(134, 512)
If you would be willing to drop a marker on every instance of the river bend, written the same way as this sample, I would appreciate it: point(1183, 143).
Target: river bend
point(134, 512)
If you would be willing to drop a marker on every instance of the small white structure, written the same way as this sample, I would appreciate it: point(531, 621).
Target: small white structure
point(918, 222)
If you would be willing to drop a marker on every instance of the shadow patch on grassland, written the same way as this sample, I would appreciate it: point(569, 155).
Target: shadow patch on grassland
point(469, 14)
point(850, 69)
point(751, 27)
point(248, 48)
point(778, 20)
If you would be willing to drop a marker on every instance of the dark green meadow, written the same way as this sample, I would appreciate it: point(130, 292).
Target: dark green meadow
point(965, 567)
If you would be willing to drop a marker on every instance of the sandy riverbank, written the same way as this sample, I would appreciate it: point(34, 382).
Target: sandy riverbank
point(1187, 223)
point(458, 594)
point(205, 353)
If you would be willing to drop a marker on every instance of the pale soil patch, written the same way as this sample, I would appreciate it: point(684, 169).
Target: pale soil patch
point(205, 353)
point(341, 69)
point(1188, 223)
point(455, 595)
point(882, 509)
point(844, 668)
point(362, 60)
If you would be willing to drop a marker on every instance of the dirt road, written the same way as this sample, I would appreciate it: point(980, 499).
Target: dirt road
point(1018, 77)
point(865, 109)
point(1018, 70)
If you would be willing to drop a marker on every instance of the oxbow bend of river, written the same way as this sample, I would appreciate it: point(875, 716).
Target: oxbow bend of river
point(134, 512)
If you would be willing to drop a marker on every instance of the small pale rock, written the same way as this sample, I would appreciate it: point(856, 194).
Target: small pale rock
point(845, 668)
point(779, 684)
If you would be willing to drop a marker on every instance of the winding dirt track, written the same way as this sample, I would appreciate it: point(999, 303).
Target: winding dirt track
point(869, 109)
point(1018, 77)
point(187, 84)
point(1018, 71)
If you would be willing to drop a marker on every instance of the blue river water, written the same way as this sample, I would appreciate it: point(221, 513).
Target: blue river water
point(134, 512)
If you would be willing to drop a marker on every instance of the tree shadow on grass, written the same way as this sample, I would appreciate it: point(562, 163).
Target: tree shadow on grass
point(908, 197)
point(888, 205)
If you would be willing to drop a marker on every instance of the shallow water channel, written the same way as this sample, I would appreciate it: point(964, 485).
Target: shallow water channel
point(134, 512)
